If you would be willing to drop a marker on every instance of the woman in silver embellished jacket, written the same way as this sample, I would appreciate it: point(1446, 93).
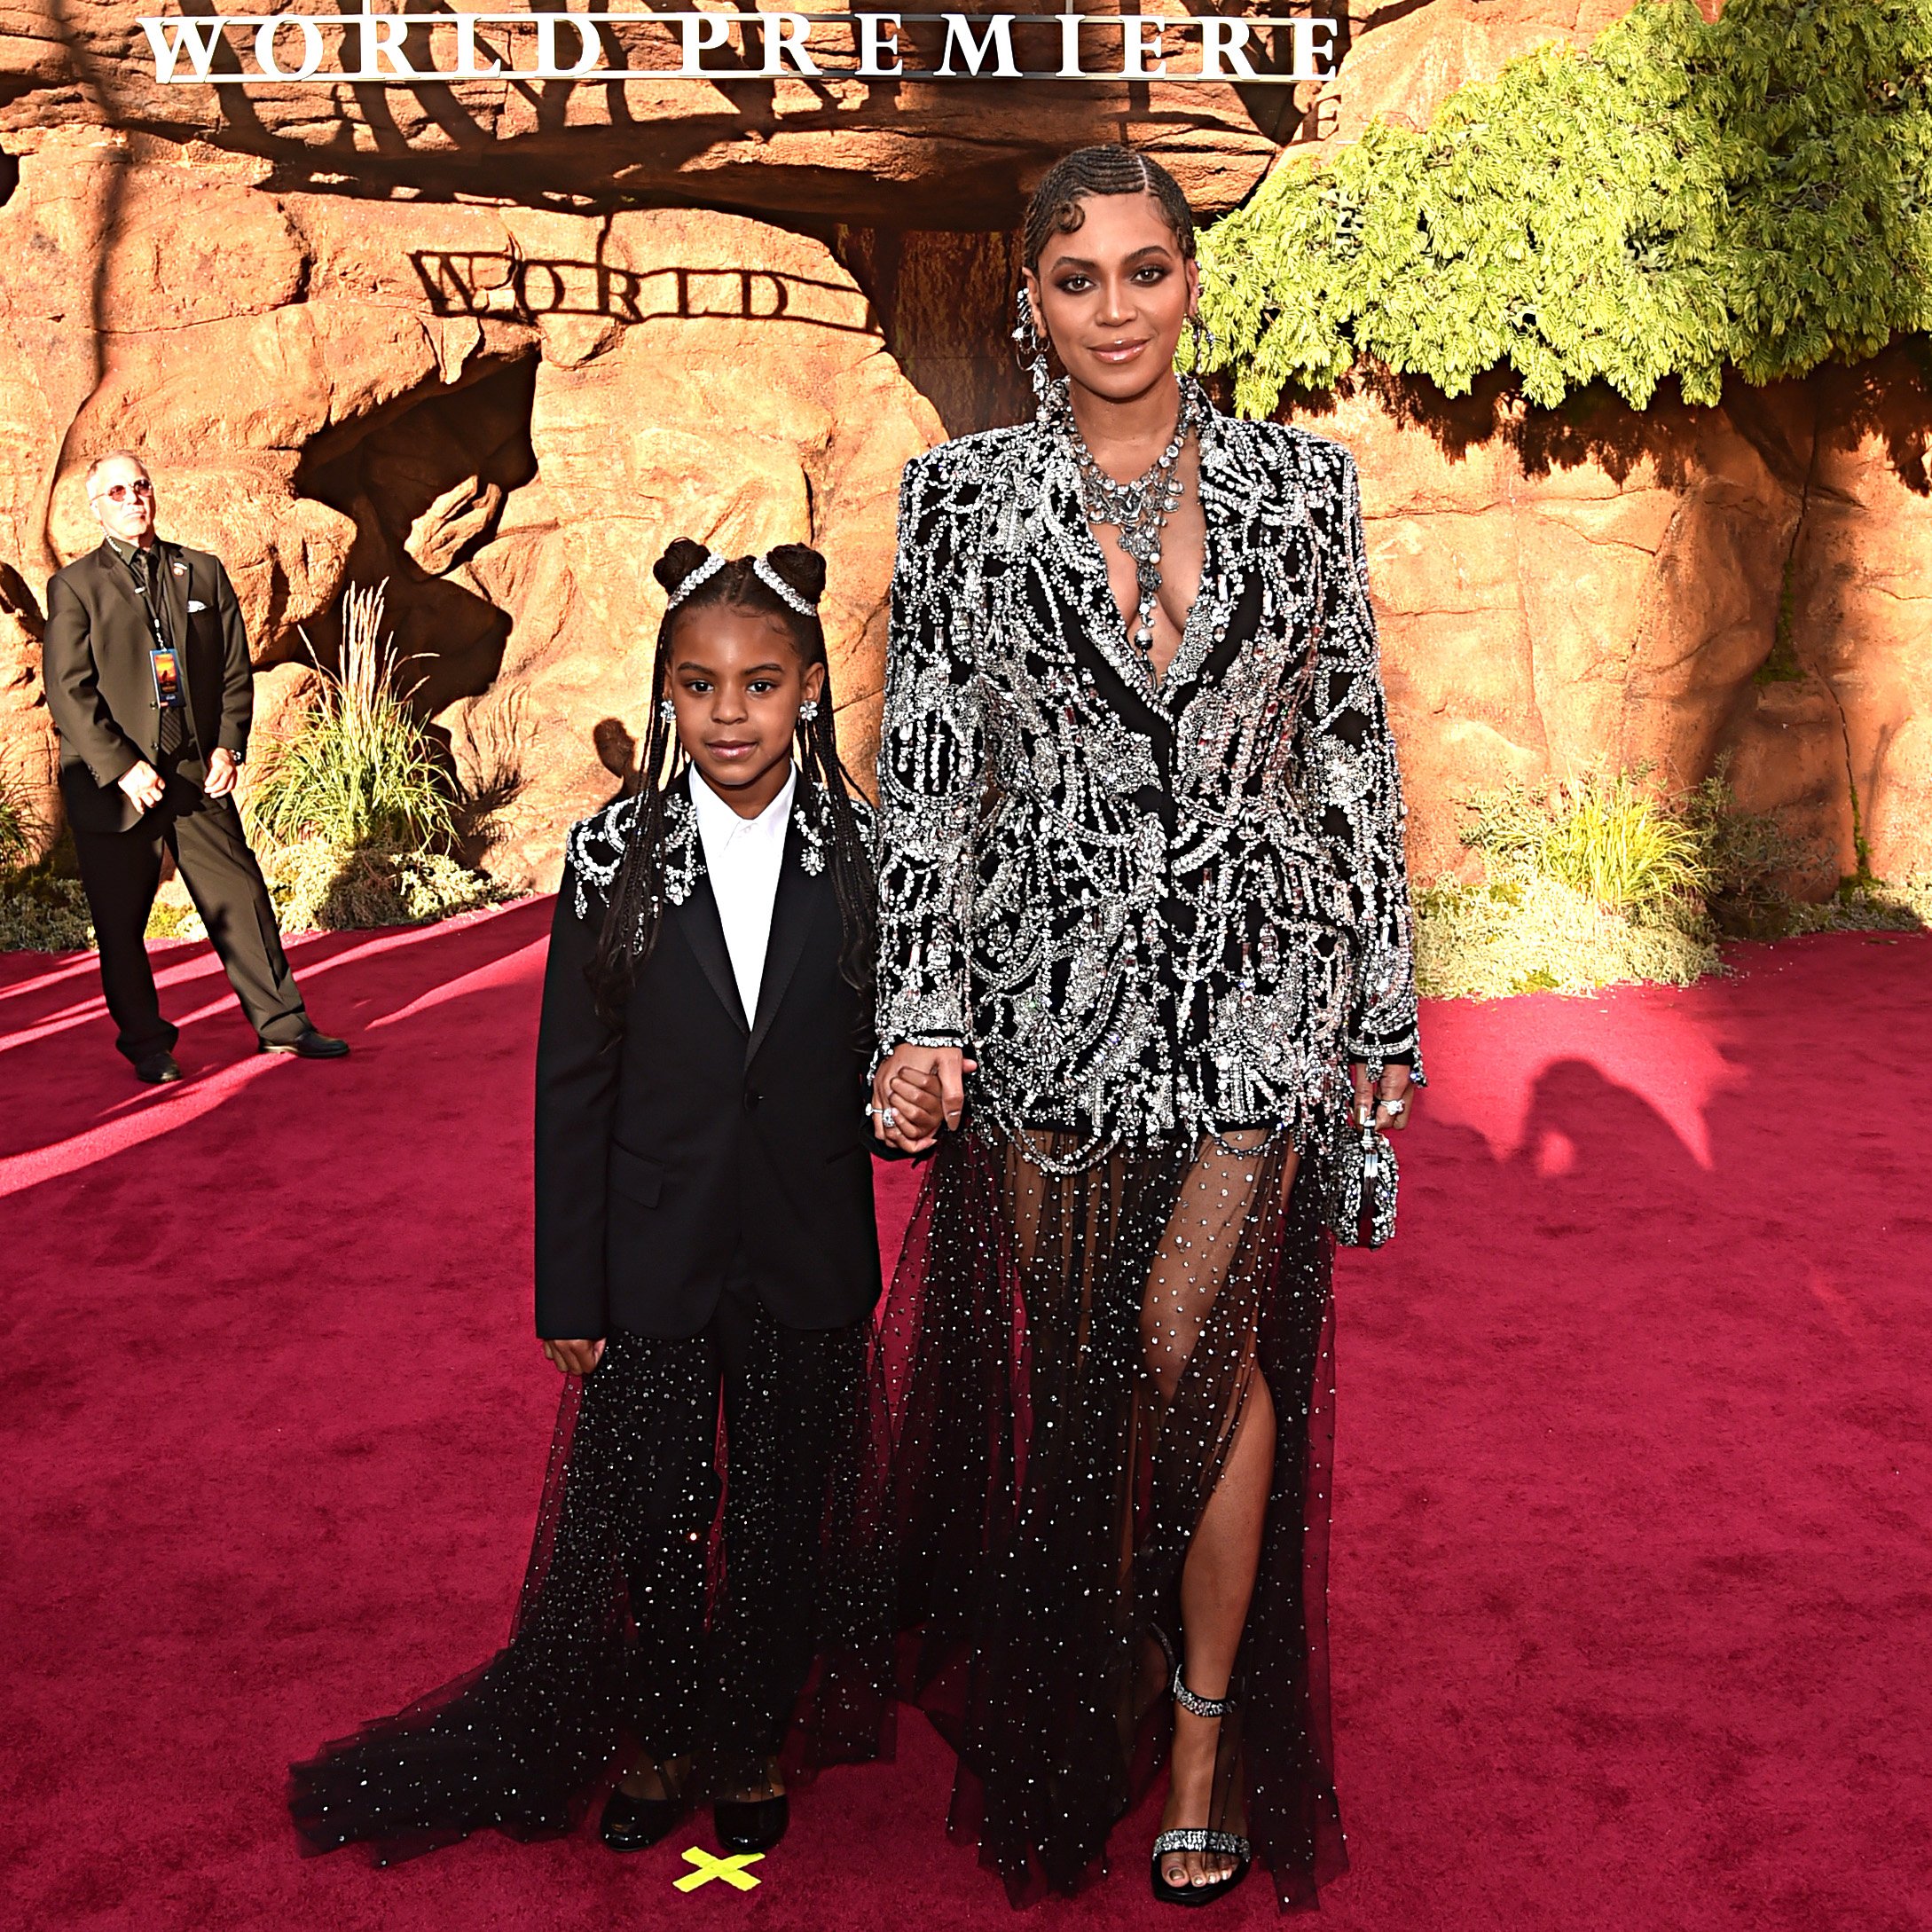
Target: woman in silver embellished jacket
point(1143, 910)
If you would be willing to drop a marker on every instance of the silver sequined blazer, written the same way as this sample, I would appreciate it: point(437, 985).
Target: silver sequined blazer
point(1145, 909)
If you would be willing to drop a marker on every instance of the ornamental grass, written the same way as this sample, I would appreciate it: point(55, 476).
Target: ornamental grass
point(357, 771)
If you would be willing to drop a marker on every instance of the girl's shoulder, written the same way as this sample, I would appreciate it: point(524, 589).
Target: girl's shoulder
point(815, 808)
point(593, 849)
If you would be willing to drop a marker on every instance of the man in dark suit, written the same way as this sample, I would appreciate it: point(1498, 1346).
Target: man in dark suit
point(149, 682)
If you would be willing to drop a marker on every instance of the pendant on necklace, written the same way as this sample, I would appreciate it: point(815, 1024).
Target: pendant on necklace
point(1138, 510)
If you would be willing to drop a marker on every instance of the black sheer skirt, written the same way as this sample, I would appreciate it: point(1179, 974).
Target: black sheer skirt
point(708, 1580)
point(1070, 1355)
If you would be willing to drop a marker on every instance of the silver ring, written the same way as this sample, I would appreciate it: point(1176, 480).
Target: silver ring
point(888, 1117)
point(1395, 1106)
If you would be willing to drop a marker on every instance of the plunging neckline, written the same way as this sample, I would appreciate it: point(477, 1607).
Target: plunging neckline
point(1114, 641)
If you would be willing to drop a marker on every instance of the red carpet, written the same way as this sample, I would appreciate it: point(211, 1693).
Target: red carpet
point(1632, 1586)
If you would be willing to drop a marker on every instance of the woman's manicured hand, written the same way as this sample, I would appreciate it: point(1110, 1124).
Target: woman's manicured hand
point(575, 1358)
point(1390, 1102)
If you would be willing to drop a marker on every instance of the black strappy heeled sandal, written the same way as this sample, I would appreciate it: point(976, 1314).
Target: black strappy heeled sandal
point(1199, 1837)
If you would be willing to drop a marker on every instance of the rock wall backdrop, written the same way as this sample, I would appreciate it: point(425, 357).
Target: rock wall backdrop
point(496, 344)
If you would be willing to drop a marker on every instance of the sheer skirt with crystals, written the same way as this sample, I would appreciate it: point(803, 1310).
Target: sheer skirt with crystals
point(728, 1605)
point(1070, 1355)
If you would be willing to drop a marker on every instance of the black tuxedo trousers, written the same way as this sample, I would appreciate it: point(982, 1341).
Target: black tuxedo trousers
point(698, 1142)
point(122, 873)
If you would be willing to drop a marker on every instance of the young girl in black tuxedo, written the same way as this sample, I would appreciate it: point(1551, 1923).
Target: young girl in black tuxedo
point(706, 1593)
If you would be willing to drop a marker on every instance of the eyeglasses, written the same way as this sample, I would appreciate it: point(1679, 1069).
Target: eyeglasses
point(121, 492)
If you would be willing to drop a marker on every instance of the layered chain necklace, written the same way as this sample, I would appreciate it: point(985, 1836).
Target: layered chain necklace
point(1139, 510)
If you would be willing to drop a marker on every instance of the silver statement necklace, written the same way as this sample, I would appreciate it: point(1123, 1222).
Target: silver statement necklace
point(1138, 510)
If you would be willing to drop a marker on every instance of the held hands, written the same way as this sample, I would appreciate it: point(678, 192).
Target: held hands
point(924, 1087)
point(574, 1357)
point(143, 785)
point(222, 770)
point(1393, 1099)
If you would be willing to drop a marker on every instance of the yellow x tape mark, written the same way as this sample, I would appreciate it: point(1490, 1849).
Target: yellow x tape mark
point(731, 1870)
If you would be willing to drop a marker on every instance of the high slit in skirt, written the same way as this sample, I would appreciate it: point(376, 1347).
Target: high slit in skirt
point(1068, 1354)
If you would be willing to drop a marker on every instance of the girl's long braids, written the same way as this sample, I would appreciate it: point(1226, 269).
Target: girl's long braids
point(637, 897)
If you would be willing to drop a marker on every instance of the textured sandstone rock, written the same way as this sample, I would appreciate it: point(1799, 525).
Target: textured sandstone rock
point(1861, 579)
point(1555, 600)
point(504, 413)
point(30, 752)
point(748, 412)
point(1401, 61)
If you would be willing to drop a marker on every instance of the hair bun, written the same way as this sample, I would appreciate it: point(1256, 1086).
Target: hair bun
point(802, 566)
point(682, 555)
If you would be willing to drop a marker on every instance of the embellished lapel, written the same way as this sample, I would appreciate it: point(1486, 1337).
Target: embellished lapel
point(792, 913)
point(1094, 607)
point(703, 932)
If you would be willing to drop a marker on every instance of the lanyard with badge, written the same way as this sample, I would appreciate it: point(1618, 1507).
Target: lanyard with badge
point(163, 660)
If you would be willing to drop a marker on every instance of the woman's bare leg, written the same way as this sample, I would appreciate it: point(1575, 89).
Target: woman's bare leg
point(1198, 1249)
point(1216, 1584)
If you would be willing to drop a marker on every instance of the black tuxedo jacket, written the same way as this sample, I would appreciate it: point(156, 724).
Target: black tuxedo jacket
point(666, 1150)
point(101, 687)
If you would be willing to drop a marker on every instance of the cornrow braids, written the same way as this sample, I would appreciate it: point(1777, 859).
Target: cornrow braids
point(1110, 168)
point(637, 897)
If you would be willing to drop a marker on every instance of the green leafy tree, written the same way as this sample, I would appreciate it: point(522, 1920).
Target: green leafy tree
point(1682, 197)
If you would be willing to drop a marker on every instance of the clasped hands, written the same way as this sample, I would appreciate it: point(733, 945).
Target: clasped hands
point(921, 1085)
point(925, 1086)
point(143, 783)
point(916, 1091)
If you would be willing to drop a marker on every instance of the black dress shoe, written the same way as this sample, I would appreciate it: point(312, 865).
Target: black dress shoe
point(631, 1824)
point(308, 1045)
point(754, 1827)
point(157, 1068)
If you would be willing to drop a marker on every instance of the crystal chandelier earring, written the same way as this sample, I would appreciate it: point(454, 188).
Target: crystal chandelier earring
point(1201, 338)
point(1030, 347)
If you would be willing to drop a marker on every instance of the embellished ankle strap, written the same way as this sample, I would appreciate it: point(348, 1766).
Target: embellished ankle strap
point(1199, 1707)
point(1194, 1838)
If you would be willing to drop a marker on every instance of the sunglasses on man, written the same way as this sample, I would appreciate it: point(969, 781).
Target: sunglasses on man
point(121, 493)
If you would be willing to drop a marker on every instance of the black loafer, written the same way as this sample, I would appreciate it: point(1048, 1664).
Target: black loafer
point(631, 1824)
point(157, 1069)
point(308, 1045)
point(754, 1827)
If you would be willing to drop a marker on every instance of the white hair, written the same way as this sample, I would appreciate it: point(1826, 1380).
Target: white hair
point(112, 456)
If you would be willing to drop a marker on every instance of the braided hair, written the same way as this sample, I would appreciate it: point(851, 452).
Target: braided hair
point(1110, 168)
point(637, 896)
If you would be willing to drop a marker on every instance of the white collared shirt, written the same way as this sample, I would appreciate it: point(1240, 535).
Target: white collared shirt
point(743, 857)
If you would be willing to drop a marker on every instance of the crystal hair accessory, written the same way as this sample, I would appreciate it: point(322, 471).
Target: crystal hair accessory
point(761, 568)
point(712, 564)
